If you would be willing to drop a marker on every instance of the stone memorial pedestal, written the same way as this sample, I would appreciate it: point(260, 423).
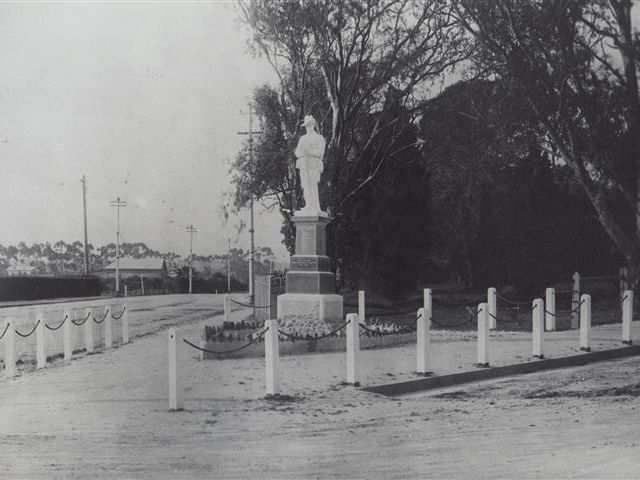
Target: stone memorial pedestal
point(310, 291)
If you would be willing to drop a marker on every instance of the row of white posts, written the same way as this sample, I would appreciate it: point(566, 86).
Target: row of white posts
point(423, 328)
point(68, 316)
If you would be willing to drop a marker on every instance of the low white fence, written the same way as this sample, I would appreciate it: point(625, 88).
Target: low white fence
point(50, 332)
point(424, 321)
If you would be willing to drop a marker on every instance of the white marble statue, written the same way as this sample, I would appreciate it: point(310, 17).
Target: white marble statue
point(309, 152)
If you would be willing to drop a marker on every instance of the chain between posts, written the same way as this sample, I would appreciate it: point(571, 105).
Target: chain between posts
point(103, 318)
point(61, 323)
point(248, 305)
point(458, 304)
point(206, 350)
point(500, 319)
point(118, 317)
point(512, 302)
point(25, 335)
point(81, 322)
point(326, 335)
point(5, 330)
point(570, 312)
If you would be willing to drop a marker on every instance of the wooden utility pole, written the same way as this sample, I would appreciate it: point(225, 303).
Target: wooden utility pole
point(229, 266)
point(118, 204)
point(191, 230)
point(251, 132)
point(84, 209)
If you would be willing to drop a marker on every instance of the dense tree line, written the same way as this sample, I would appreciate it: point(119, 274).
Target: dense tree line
point(519, 174)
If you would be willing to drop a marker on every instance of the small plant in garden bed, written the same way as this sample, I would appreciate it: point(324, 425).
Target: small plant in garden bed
point(232, 332)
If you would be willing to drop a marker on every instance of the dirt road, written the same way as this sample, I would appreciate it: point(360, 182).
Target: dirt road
point(105, 416)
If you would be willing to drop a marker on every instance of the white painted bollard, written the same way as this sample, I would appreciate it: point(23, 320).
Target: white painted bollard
point(353, 348)
point(176, 401)
point(67, 346)
point(41, 359)
point(9, 341)
point(361, 307)
point(627, 316)
point(423, 330)
point(585, 322)
point(575, 301)
point(272, 356)
point(550, 307)
point(483, 335)
point(88, 329)
point(125, 323)
point(493, 307)
point(108, 328)
point(537, 326)
point(227, 307)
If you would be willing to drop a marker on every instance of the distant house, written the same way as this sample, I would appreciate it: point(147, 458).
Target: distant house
point(17, 269)
point(129, 266)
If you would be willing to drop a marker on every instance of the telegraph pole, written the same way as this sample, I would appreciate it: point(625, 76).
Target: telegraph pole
point(84, 209)
point(229, 266)
point(118, 204)
point(191, 230)
point(251, 229)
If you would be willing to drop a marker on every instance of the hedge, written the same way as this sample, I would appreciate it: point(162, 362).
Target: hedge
point(37, 288)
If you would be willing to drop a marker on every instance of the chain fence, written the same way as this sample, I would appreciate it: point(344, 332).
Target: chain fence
point(248, 305)
point(5, 330)
point(294, 337)
point(254, 338)
point(59, 326)
point(25, 335)
point(82, 322)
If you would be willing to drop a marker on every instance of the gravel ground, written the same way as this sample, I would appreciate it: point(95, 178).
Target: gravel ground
point(106, 415)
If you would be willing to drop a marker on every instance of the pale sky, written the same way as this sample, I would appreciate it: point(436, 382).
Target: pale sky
point(145, 99)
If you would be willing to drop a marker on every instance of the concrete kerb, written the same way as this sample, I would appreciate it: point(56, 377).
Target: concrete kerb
point(442, 381)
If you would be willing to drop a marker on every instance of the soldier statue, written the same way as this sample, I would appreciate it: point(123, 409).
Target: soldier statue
point(309, 153)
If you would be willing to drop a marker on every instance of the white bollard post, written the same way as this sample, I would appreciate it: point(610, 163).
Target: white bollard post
point(585, 322)
point(108, 330)
point(361, 312)
point(9, 347)
point(483, 335)
point(627, 316)
point(125, 323)
point(227, 307)
point(537, 326)
point(41, 359)
point(272, 356)
point(423, 330)
point(353, 348)
point(176, 401)
point(88, 330)
point(493, 307)
point(550, 307)
point(575, 301)
point(66, 334)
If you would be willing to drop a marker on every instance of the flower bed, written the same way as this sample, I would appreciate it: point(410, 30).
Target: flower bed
point(227, 342)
